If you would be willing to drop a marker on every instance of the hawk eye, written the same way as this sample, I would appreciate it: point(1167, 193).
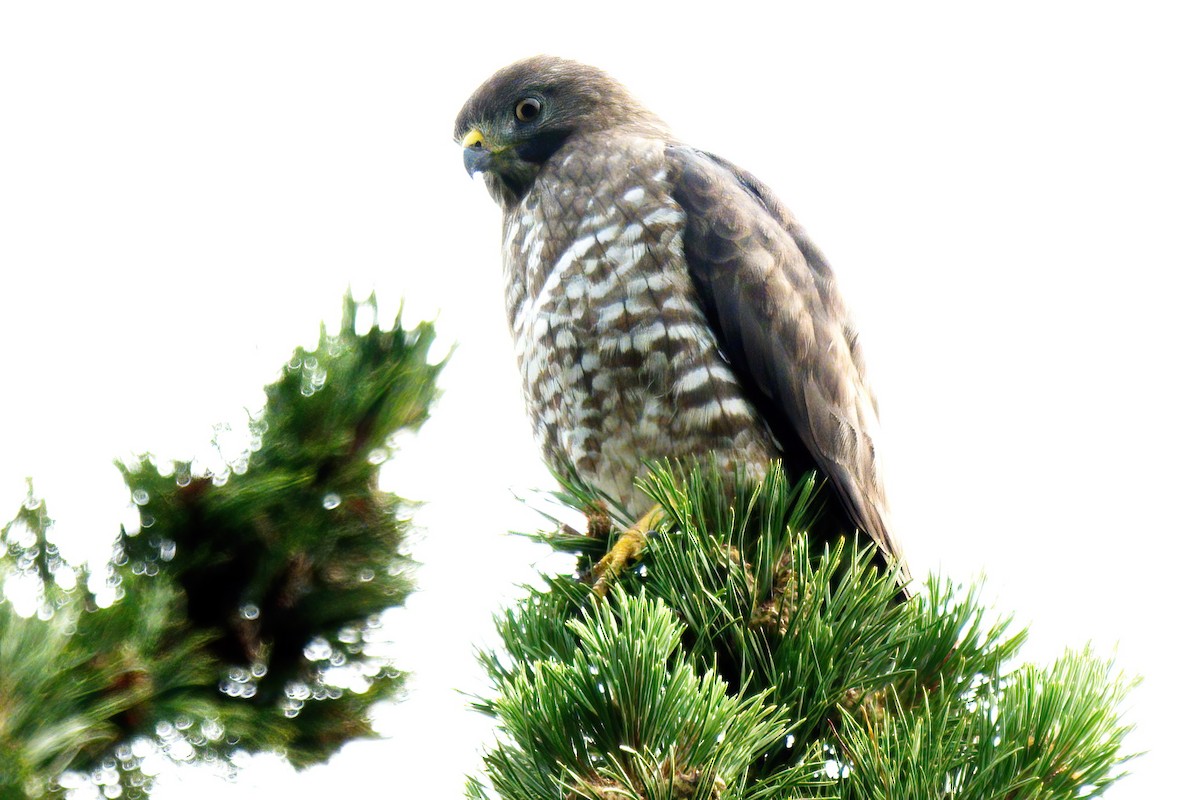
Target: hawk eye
point(527, 110)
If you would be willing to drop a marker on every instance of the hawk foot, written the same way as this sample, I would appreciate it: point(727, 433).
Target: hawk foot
point(625, 551)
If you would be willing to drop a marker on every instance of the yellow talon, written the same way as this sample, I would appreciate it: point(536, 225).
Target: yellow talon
point(625, 550)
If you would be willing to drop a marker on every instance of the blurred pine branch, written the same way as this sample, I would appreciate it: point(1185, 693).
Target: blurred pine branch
point(247, 601)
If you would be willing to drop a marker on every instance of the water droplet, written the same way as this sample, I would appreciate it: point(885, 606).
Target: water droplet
point(366, 575)
point(298, 691)
point(258, 669)
point(310, 362)
point(377, 456)
point(318, 649)
point(167, 551)
point(249, 611)
point(141, 496)
point(332, 501)
point(180, 750)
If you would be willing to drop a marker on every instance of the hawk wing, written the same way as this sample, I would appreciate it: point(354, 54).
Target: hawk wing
point(772, 303)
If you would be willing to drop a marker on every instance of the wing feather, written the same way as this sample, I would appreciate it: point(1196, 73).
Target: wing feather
point(771, 299)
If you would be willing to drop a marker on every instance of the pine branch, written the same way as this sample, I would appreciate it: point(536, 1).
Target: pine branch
point(871, 697)
point(248, 598)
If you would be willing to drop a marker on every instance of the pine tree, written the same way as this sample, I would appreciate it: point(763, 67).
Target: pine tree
point(244, 611)
point(734, 663)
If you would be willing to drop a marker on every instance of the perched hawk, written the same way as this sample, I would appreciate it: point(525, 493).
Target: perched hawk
point(663, 301)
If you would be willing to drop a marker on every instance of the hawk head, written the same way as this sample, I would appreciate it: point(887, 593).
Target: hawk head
point(525, 113)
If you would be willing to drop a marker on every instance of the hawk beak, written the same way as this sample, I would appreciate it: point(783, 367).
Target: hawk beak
point(477, 155)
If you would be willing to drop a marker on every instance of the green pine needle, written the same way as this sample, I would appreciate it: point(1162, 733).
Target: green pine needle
point(730, 633)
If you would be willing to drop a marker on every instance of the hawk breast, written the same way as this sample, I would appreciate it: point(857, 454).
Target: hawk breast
point(619, 364)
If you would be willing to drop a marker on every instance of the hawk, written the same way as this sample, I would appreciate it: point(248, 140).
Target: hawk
point(663, 302)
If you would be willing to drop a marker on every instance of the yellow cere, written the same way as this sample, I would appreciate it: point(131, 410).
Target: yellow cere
point(474, 139)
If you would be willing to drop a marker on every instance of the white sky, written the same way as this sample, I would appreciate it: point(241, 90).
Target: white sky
point(1009, 196)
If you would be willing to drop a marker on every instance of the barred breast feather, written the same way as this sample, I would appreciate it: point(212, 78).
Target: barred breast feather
point(618, 361)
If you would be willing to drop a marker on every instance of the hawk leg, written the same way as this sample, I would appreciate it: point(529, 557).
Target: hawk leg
point(625, 550)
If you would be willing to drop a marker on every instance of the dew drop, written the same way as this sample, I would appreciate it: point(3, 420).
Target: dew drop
point(318, 649)
point(332, 501)
point(249, 611)
point(297, 692)
point(141, 496)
